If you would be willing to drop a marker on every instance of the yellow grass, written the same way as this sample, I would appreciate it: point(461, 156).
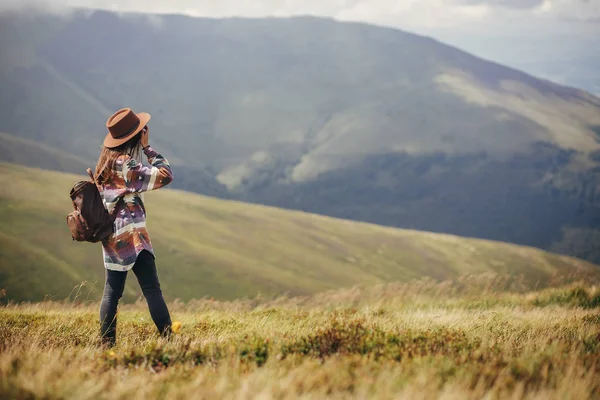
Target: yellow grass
point(466, 339)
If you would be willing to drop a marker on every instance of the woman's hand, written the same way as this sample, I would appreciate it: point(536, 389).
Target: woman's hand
point(145, 133)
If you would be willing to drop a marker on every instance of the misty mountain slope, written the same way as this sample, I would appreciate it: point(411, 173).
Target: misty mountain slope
point(16, 150)
point(229, 89)
point(344, 119)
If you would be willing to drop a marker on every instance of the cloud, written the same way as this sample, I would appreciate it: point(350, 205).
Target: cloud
point(398, 13)
point(414, 14)
point(410, 14)
point(522, 4)
point(155, 21)
point(33, 7)
point(582, 10)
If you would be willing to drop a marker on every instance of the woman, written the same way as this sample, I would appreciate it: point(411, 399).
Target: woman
point(121, 179)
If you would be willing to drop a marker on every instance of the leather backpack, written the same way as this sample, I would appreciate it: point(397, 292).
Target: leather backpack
point(89, 221)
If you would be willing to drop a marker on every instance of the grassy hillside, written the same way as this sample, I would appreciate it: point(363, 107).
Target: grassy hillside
point(225, 249)
point(467, 339)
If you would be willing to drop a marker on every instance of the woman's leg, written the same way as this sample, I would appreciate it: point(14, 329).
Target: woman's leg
point(145, 271)
point(113, 290)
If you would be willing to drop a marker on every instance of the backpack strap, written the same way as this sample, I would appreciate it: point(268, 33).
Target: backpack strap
point(91, 173)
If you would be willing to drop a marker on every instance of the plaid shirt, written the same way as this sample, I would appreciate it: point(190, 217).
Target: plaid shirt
point(128, 181)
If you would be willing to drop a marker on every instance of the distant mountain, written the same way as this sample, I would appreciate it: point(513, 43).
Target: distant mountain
point(344, 119)
point(226, 249)
point(581, 72)
point(27, 152)
point(568, 59)
point(17, 150)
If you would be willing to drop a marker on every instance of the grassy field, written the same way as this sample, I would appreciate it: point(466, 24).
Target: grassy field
point(207, 247)
point(471, 338)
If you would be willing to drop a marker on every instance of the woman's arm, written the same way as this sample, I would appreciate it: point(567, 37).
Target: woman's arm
point(141, 178)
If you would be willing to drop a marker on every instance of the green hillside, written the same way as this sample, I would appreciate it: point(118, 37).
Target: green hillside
point(226, 249)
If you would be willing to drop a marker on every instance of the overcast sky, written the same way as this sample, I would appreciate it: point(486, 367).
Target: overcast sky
point(521, 33)
point(415, 14)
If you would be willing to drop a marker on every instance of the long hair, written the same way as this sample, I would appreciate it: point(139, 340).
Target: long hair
point(108, 156)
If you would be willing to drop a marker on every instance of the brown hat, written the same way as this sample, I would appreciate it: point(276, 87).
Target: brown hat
point(123, 125)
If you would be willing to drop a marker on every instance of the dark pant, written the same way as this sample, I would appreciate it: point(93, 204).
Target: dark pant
point(145, 271)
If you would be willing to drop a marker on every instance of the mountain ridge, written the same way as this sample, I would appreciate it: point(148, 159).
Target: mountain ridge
point(290, 112)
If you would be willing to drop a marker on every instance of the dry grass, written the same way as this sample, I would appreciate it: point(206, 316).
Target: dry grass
point(478, 337)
